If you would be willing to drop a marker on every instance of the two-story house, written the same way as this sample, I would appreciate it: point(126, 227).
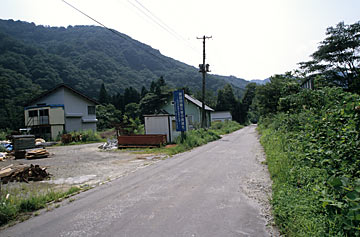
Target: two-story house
point(61, 109)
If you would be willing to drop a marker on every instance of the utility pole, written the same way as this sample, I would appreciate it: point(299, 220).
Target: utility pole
point(204, 68)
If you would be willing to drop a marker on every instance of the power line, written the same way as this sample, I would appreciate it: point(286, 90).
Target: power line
point(114, 31)
point(152, 17)
point(160, 23)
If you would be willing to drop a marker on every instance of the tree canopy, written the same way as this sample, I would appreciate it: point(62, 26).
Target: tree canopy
point(338, 57)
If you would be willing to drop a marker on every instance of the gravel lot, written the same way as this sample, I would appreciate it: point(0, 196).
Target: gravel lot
point(87, 164)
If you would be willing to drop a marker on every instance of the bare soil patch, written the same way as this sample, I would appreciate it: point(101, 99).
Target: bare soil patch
point(86, 164)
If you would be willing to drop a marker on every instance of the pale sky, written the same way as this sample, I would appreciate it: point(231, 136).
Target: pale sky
point(251, 39)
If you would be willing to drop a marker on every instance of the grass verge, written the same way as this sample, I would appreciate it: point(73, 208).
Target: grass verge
point(17, 201)
point(198, 137)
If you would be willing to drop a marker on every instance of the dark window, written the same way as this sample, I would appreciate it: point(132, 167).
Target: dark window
point(44, 116)
point(91, 110)
point(33, 113)
point(44, 112)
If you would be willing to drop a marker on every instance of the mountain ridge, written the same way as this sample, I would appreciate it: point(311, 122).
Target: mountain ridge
point(99, 56)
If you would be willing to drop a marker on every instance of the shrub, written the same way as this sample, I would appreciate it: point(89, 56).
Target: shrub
point(201, 136)
point(85, 136)
point(3, 135)
point(313, 151)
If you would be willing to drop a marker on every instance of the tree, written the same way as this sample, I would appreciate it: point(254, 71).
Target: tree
point(107, 116)
point(132, 110)
point(267, 96)
point(149, 104)
point(210, 98)
point(338, 57)
point(160, 82)
point(248, 99)
point(118, 101)
point(237, 112)
point(144, 91)
point(103, 95)
point(131, 96)
point(152, 87)
point(226, 100)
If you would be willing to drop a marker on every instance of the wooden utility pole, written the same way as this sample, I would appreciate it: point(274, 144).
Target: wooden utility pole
point(204, 68)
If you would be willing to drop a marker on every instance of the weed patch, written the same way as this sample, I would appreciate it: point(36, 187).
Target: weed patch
point(17, 201)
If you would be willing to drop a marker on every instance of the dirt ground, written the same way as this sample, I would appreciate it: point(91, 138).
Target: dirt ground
point(87, 164)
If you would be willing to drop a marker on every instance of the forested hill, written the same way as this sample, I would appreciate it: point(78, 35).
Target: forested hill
point(39, 57)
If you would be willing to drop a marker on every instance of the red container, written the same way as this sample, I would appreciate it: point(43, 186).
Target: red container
point(142, 140)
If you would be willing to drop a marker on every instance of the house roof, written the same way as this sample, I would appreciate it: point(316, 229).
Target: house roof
point(56, 88)
point(197, 102)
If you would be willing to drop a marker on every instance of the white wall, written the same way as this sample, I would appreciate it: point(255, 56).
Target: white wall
point(221, 116)
point(157, 125)
point(163, 124)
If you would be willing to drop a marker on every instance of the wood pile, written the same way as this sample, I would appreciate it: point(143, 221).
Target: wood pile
point(23, 173)
point(37, 153)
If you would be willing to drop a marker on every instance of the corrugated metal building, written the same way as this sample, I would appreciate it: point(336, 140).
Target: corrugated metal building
point(221, 116)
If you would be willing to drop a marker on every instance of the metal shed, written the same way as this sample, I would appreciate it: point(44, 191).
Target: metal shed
point(162, 124)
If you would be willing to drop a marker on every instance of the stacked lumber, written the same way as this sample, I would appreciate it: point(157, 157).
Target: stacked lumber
point(23, 173)
point(36, 153)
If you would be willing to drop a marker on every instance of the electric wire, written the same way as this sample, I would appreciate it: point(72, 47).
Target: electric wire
point(160, 23)
point(152, 18)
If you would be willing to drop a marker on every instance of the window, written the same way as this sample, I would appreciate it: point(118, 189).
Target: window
point(91, 110)
point(44, 116)
point(33, 113)
point(44, 112)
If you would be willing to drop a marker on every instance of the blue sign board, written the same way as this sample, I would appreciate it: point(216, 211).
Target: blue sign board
point(179, 107)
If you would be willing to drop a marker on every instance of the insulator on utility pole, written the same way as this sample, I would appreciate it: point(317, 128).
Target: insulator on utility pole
point(201, 67)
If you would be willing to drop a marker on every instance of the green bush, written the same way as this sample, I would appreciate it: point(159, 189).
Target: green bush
point(201, 136)
point(90, 136)
point(226, 127)
point(313, 154)
point(2, 135)
point(85, 136)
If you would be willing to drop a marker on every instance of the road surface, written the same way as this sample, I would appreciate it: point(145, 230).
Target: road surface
point(219, 189)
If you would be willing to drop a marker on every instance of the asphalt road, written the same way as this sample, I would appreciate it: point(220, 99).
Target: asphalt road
point(212, 190)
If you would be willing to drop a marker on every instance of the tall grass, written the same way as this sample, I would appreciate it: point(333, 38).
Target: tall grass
point(20, 200)
point(313, 155)
point(198, 137)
